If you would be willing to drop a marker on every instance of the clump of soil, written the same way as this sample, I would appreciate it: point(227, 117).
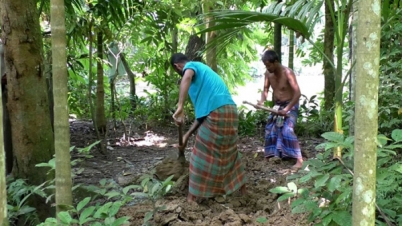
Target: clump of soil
point(170, 166)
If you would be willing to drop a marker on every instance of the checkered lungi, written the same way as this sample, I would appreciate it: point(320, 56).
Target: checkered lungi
point(215, 163)
point(282, 141)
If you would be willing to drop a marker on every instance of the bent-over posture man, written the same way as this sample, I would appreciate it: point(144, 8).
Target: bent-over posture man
point(280, 138)
point(215, 163)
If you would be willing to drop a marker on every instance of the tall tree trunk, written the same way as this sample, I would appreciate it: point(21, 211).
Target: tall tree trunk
point(194, 46)
point(342, 28)
point(3, 185)
point(291, 49)
point(7, 138)
point(211, 59)
point(112, 99)
point(28, 103)
point(131, 79)
point(3, 165)
point(278, 38)
point(100, 89)
point(49, 83)
point(368, 34)
point(329, 70)
point(352, 58)
point(61, 125)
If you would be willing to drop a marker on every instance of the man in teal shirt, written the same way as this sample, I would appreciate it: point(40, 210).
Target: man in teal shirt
point(215, 164)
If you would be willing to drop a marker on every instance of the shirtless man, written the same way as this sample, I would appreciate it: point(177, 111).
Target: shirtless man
point(280, 139)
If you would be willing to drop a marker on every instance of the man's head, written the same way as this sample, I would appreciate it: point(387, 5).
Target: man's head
point(178, 61)
point(270, 60)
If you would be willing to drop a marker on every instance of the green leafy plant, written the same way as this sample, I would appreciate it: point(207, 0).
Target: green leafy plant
point(311, 121)
point(90, 209)
point(97, 215)
point(328, 183)
point(252, 120)
point(18, 193)
point(153, 190)
point(84, 153)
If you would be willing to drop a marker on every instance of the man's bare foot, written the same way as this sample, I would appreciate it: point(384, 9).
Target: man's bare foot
point(191, 198)
point(298, 165)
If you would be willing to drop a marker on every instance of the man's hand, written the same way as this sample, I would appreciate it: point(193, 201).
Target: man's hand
point(283, 112)
point(178, 116)
point(185, 141)
point(260, 102)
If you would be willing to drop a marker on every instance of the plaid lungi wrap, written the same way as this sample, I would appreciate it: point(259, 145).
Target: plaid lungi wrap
point(282, 141)
point(215, 163)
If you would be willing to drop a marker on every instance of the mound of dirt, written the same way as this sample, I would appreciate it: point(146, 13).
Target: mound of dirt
point(171, 166)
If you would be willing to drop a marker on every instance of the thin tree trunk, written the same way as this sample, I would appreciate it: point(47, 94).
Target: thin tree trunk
point(211, 59)
point(3, 185)
point(342, 27)
point(28, 102)
point(113, 104)
point(277, 43)
point(100, 89)
point(291, 49)
point(368, 34)
point(352, 58)
point(90, 83)
point(7, 138)
point(131, 78)
point(64, 197)
point(278, 38)
point(329, 70)
point(49, 83)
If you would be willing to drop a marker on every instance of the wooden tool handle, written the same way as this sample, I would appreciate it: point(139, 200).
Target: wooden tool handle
point(261, 107)
point(180, 134)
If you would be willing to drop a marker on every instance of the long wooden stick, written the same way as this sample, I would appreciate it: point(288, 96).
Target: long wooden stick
point(261, 107)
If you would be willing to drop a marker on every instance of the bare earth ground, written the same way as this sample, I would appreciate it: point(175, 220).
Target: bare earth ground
point(127, 161)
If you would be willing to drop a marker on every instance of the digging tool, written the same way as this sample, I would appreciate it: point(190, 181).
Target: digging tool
point(262, 107)
point(192, 129)
point(181, 158)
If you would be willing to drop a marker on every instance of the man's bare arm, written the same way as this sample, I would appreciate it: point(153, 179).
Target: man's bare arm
point(295, 87)
point(264, 93)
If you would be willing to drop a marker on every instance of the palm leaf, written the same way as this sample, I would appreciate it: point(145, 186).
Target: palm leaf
point(224, 19)
point(306, 11)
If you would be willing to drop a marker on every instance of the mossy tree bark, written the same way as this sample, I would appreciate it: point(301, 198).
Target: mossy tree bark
point(366, 122)
point(329, 70)
point(28, 103)
point(61, 124)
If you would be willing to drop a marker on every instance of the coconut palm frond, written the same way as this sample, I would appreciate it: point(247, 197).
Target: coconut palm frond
point(306, 11)
point(238, 18)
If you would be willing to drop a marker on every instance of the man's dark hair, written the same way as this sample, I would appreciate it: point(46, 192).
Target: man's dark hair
point(178, 58)
point(270, 56)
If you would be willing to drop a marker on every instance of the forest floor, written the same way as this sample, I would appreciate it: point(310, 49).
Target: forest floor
point(127, 161)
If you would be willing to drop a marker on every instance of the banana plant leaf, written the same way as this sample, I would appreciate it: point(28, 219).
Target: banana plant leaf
point(232, 19)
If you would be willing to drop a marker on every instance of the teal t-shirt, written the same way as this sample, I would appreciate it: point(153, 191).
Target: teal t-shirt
point(207, 90)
